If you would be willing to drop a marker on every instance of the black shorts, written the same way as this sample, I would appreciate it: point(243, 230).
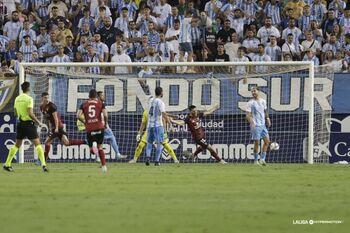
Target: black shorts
point(26, 129)
point(95, 136)
point(202, 142)
point(59, 134)
point(186, 47)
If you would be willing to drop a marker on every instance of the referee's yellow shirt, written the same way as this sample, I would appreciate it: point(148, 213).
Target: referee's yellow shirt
point(22, 103)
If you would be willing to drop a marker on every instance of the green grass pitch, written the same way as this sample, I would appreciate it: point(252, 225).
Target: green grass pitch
point(190, 198)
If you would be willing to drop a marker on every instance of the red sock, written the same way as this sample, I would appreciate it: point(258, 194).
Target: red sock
point(101, 153)
point(76, 142)
point(198, 150)
point(214, 154)
point(47, 150)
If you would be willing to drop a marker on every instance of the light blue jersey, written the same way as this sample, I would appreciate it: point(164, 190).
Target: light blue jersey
point(257, 108)
point(156, 108)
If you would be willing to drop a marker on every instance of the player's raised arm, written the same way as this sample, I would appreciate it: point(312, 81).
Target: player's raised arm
point(211, 110)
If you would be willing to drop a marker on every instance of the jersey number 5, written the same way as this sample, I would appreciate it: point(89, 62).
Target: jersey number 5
point(92, 111)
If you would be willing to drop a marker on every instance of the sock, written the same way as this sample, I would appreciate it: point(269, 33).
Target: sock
point(47, 151)
point(214, 154)
point(148, 150)
point(263, 155)
point(170, 150)
point(159, 151)
point(41, 156)
point(102, 156)
point(139, 150)
point(10, 155)
point(115, 145)
point(73, 142)
point(256, 156)
point(198, 150)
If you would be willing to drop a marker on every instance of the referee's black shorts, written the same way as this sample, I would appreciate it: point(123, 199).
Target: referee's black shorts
point(95, 136)
point(26, 129)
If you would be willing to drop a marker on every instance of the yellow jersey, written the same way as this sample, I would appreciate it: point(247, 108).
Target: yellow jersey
point(22, 103)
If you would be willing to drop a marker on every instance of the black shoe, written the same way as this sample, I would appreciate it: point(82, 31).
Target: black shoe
point(147, 162)
point(8, 169)
point(45, 169)
point(157, 164)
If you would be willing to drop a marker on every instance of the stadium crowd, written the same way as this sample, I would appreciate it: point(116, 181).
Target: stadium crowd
point(174, 30)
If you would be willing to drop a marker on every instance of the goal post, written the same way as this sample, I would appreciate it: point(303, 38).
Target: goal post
point(298, 120)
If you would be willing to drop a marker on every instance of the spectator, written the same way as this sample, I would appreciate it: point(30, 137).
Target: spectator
point(143, 20)
point(19, 59)
point(153, 35)
point(327, 57)
point(100, 48)
point(212, 8)
point(49, 50)
point(311, 44)
point(99, 21)
point(305, 19)
point(133, 36)
point(318, 10)
point(82, 48)
point(273, 50)
point(62, 9)
point(316, 33)
point(76, 12)
point(338, 6)
point(291, 47)
point(261, 56)
point(240, 70)
point(268, 30)
point(27, 48)
point(70, 49)
point(191, 9)
point(346, 47)
point(4, 41)
point(182, 7)
point(297, 5)
point(164, 49)
point(345, 21)
point(27, 31)
point(132, 8)
point(273, 10)
point(13, 27)
point(332, 45)
point(231, 48)
point(237, 22)
point(250, 9)
point(224, 35)
point(85, 31)
point(287, 57)
point(310, 56)
point(53, 21)
point(108, 33)
point(122, 21)
point(161, 12)
point(86, 19)
point(170, 21)
point(251, 43)
point(93, 57)
point(61, 58)
point(10, 52)
point(292, 29)
point(339, 64)
point(153, 3)
point(141, 48)
point(204, 21)
point(221, 56)
point(329, 23)
point(226, 9)
point(172, 36)
point(102, 8)
point(34, 21)
point(185, 45)
point(118, 41)
point(43, 37)
point(41, 8)
point(196, 38)
point(62, 32)
point(151, 56)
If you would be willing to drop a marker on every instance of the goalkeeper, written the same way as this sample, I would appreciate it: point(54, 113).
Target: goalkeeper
point(143, 141)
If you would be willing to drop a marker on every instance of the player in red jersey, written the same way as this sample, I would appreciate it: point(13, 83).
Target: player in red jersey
point(194, 123)
point(55, 126)
point(90, 113)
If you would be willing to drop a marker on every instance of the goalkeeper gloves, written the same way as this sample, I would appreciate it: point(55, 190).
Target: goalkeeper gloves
point(138, 137)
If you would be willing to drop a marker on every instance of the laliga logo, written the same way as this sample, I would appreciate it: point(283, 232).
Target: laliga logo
point(9, 143)
point(174, 143)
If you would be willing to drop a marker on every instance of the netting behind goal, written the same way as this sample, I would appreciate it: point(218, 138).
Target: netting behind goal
point(286, 87)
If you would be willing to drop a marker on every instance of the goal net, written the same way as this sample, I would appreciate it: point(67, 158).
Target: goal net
point(297, 111)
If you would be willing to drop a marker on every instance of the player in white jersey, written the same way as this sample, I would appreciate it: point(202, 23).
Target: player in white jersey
point(258, 118)
point(156, 116)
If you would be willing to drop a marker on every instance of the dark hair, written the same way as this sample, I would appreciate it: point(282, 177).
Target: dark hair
point(255, 87)
point(125, 9)
point(176, 21)
point(54, 7)
point(99, 93)
point(44, 94)
point(262, 45)
point(25, 86)
point(92, 94)
point(191, 107)
point(158, 91)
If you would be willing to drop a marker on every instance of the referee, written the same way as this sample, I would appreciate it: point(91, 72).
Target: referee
point(26, 127)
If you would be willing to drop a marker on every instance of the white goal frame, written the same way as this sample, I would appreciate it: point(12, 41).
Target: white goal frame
point(309, 64)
